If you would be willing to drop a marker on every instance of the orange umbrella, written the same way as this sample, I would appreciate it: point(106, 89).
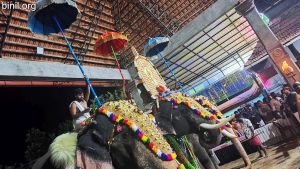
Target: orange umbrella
point(110, 43)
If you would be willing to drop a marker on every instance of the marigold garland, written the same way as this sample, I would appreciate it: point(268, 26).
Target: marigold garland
point(207, 104)
point(203, 101)
point(119, 119)
point(179, 98)
point(130, 111)
point(199, 109)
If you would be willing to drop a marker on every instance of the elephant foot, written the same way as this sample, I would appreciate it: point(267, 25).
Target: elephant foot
point(248, 166)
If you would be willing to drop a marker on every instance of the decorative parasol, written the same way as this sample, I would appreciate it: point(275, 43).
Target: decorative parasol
point(155, 46)
point(53, 16)
point(110, 43)
point(148, 74)
point(41, 21)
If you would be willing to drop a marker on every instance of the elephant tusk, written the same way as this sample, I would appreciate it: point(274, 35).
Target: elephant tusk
point(228, 134)
point(228, 119)
point(213, 126)
point(221, 123)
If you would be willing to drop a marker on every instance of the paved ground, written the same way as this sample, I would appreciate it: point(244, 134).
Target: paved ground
point(282, 156)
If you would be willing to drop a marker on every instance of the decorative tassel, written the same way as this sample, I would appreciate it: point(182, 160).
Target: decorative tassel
point(181, 166)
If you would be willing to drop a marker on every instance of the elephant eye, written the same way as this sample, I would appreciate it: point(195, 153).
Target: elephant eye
point(206, 135)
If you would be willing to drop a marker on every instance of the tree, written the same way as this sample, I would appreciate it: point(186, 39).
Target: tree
point(37, 143)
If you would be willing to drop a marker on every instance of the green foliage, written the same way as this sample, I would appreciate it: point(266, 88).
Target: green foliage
point(38, 141)
point(64, 127)
point(37, 144)
point(115, 95)
point(108, 96)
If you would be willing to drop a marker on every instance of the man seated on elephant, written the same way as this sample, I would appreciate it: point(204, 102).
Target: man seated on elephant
point(79, 109)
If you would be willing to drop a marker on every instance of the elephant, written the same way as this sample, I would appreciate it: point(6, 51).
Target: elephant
point(100, 146)
point(183, 120)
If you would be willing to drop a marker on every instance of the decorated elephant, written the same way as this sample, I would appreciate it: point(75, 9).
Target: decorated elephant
point(182, 116)
point(121, 136)
point(179, 114)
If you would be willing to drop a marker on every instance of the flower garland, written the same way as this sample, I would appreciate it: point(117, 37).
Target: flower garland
point(203, 101)
point(207, 104)
point(179, 98)
point(146, 140)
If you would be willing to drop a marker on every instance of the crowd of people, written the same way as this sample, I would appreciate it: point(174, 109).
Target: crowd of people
point(275, 106)
point(280, 109)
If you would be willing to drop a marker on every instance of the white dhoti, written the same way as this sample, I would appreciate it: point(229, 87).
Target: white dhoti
point(76, 122)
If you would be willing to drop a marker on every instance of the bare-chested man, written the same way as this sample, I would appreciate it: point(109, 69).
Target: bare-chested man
point(79, 109)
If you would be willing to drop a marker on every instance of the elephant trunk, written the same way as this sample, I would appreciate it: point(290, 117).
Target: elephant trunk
point(236, 142)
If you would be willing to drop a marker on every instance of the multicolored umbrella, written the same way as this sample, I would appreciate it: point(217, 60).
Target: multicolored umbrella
point(53, 16)
point(154, 47)
point(110, 43)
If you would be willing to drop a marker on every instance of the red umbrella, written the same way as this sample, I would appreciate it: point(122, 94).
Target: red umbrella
point(110, 43)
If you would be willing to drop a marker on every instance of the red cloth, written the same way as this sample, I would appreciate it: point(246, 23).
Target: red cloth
point(255, 141)
point(84, 161)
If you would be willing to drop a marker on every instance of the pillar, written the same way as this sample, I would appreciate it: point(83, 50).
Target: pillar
point(274, 48)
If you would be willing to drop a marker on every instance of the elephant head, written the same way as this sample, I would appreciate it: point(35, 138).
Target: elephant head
point(122, 143)
point(183, 121)
point(92, 147)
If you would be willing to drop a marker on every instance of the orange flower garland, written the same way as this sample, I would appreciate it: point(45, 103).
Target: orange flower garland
point(179, 98)
point(120, 120)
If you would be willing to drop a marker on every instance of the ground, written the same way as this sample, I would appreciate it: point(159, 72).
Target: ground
point(285, 155)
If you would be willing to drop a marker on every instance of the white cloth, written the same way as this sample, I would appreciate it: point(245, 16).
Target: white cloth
point(261, 123)
point(76, 122)
point(297, 116)
point(247, 127)
point(268, 134)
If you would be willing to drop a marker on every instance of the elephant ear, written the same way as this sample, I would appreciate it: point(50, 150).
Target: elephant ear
point(163, 118)
point(165, 125)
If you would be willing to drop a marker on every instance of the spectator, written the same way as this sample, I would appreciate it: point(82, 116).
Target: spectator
point(255, 118)
point(291, 100)
point(275, 105)
point(265, 111)
point(296, 86)
point(237, 128)
point(248, 130)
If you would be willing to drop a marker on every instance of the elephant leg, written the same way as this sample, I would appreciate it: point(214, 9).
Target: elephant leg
point(201, 153)
point(238, 145)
